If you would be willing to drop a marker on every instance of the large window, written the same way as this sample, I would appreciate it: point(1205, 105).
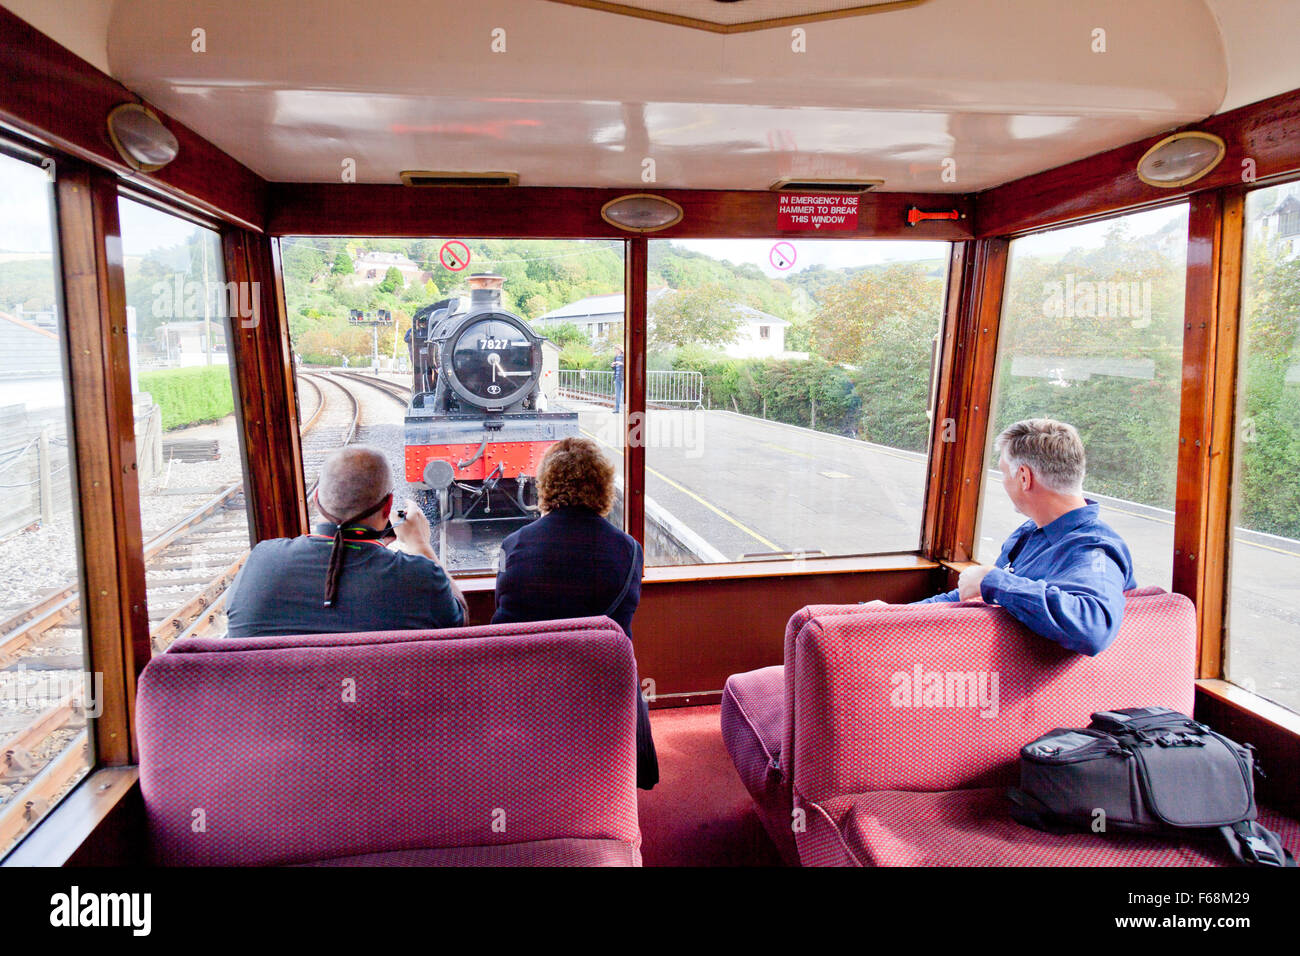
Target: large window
point(46, 694)
point(464, 359)
point(788, 395)
point(1092, 335)
point(191, 474)
point(1263, 633)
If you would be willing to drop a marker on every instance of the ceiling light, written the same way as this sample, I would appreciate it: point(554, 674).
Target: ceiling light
point(1180, 159)
point(641, 212)
point(140, 138)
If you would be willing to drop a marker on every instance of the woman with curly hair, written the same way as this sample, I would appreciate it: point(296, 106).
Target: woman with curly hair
point(571, 562)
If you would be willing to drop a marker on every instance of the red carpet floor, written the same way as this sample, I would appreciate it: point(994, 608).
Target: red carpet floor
point(699, 814)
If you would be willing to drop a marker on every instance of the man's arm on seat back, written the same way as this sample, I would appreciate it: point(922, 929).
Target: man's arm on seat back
point(1080, 608)
point(955, 593)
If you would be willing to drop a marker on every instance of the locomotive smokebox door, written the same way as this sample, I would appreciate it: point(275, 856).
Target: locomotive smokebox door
point(438, 474)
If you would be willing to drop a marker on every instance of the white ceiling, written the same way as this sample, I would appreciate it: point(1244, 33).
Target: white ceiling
point(293, 88)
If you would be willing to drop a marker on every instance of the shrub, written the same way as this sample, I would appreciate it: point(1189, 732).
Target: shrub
point(188, 396)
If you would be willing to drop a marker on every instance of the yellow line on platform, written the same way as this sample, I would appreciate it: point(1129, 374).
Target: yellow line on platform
point(788, 451)
point(686, 491)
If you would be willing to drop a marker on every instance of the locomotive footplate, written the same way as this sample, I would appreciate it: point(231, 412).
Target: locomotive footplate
point(475, 446)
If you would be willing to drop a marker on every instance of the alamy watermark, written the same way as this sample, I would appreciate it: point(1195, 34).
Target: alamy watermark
point(183, 298)
point(34, 690)
point(666, 428)
point(976, 690)
point(1085, 298)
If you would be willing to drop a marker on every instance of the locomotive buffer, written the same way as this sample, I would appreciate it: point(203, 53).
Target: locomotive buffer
point(477, 425)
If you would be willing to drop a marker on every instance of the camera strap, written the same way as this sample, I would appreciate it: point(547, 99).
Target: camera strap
point(348, 530)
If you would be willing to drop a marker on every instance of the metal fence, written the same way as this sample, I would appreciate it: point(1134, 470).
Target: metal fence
point(662, 388)
point(33, 481)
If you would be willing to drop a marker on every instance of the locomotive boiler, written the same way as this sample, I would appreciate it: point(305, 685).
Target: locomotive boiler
point(477, 424)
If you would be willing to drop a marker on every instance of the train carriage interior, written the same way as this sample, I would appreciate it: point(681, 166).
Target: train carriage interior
point(791, 267)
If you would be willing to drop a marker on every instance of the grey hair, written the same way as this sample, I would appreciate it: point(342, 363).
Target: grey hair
point(352, 479)
point(1053, 451)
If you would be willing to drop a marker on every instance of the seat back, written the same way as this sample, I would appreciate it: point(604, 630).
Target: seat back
point(942, 697)
point(295, 749)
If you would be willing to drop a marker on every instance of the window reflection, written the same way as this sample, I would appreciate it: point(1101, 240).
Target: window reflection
point(190, 468)
point(788, 392)
point(1263, 634)
point(46, 693)
point(1092, 334)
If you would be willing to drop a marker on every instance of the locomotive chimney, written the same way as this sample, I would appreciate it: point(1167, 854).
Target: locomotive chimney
point(485, 289)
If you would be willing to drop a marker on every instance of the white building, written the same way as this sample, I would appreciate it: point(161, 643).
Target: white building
point(371, 267)
point(1280, 227)
point(760, 335)
point(596, 315)
point(187, 344)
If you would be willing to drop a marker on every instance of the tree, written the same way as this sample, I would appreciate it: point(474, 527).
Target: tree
point(342, 264)
point(566, 334)
point(392, 280)
point(302, 263)
point(869, 309)
point(703, 315)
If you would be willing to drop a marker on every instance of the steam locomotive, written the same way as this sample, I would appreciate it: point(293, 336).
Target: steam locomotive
point(477, 424)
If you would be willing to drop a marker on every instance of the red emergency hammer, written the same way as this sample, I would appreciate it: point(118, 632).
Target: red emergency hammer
point(915, 215)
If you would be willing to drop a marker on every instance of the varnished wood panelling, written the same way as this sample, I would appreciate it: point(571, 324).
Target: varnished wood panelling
point(969, 395)
point(634, 368)
point(960, 276)
point(263, 381)
point(355, 209)
point(690, 636)
point(1205, 445)
point(113, 602)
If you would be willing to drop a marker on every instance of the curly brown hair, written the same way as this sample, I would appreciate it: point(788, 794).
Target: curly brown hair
point(574, 472)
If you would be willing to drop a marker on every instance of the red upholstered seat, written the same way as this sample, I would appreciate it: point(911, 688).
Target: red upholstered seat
point(751, 731)
point(852, 752)
point(536, 853)
point(479, 746)
point(974, 828)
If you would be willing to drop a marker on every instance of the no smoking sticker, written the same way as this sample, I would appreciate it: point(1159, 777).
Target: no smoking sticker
point(825, 212)
point(454, 255)
point(782, 255)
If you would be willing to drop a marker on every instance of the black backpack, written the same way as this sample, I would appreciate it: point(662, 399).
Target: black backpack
point(1145, 770)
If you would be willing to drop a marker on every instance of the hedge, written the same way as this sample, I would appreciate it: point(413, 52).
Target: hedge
point(188, 396)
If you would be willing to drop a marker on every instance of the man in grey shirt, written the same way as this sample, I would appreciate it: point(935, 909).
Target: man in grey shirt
point(343, 577)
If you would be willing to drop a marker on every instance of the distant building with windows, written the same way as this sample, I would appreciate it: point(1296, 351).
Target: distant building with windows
point(761, 335)
point(1280, 227)
point(371, 267)
point(29, 344)
point(596, 315)
point(188, 343)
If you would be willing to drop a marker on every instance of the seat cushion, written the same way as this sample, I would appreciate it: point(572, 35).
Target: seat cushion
point(537, 853)
point(974, 828)
point(752, 711)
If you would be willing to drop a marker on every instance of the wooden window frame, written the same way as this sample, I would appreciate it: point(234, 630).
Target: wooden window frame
point(35, 103)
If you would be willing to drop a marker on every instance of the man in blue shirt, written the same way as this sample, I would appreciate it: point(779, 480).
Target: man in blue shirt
point(344, 578)
point(1062, 573)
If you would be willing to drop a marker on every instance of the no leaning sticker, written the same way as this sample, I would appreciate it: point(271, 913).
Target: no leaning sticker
point(799, 212)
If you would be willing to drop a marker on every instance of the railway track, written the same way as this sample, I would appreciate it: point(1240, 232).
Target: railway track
point(44, 742)
point(398, 393)
point(333, 424)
